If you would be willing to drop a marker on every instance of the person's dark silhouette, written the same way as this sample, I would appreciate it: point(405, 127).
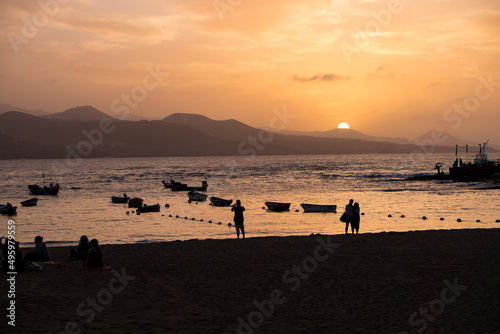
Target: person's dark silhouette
point(355, 219)
point(349, 213)
point(238, 218)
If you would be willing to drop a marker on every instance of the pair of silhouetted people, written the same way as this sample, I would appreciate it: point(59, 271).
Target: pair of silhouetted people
point(353, 217)
point(238, 218)
point(89, 252)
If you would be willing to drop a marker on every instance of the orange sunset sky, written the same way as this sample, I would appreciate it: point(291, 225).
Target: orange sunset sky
point(388, 68)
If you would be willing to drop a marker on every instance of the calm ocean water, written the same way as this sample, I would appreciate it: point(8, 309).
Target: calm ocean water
point(84, 206)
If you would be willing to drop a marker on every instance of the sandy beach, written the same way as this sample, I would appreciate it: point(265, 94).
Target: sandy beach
point(414, 282)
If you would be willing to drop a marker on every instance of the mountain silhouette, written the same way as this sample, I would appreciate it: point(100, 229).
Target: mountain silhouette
point(27, 136)
point(4, 107)
point(348, 134)
point(229, 129)
point(80, 113)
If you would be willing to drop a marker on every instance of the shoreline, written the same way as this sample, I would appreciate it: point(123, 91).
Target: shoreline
point(68, 245)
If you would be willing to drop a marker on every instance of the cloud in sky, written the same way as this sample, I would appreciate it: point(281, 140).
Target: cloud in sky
point(91, 52)
point(319, 77)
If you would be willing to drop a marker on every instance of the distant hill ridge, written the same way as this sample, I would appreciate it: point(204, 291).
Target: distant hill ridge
point(80, 113)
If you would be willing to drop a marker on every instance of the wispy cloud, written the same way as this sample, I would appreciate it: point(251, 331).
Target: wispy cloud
point(320, 77)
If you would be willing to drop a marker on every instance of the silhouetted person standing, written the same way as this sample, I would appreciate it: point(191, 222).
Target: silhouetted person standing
point(349, 212)
point(238, 218)
point(355, 218)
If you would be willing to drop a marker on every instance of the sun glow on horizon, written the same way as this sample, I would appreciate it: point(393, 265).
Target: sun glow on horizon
point(343, 125)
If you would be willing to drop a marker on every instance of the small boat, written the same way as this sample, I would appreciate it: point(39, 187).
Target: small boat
point(135, 202)
point(149, 208)
point(217, 201)
point(196, 196)
point(50, 190)
point(30, 202)
point(8, 209)
point(318, 208)
point(277, 206)
point(178, 186)
point(116, 199)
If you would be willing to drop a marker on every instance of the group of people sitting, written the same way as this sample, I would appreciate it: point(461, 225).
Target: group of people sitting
point(87, 251)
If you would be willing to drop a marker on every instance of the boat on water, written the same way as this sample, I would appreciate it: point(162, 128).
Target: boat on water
point(135, 202)
point(217, 201)
point(149, 208)
point(30, 202)
point(178, 186)
point(50, 190)
point(122, 199)
point(318, 208)
point(278, 206)
point(481, 168)
point(8, 209)
point(196, 196)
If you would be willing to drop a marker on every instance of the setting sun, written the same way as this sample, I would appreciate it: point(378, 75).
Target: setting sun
point(343, 125)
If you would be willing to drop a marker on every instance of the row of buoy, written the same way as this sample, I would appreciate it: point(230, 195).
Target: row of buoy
point(458, 219)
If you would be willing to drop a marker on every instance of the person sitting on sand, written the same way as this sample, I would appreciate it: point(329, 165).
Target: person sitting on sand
point(93, 258)
point(238, 218)
point(355, 218)
point(349, 213)
point(41, 252)
point(83, 246)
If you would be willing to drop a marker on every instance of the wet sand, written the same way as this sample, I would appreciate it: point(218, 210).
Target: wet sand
point(432, 281)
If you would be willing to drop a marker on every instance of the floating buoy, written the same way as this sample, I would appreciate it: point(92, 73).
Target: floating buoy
point(201, 220)
point(128, 212)
point(402, 216)
point(228, 224)
point(296, 210)
point(196, 203)
point(441, 218)
point(424, 217)
point(263, 208)
point(362, 213)
point(133, 211)
point(189, 202)
point(167, 205)
point(334, 211)
point(193, 219)
point(459, 220)
point(497, 221)
point(219, 223)
point(176, 216)
point(170, 215)
point(478, 221)
point(138, 213)
point(210, 204)
point(185, 217)
point(162, 215)
point(389, 216)
point(210, 222)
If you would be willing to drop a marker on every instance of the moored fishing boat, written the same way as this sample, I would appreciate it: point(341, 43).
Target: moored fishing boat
point(135, 202)
point(30, 202)
point(277, 206)
point(217, 201)
point(178, 186)
point(8, 209)
point(149, 208)
point(318, 208)
point(117, 199)
point(50, 190)
point(196, 196)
